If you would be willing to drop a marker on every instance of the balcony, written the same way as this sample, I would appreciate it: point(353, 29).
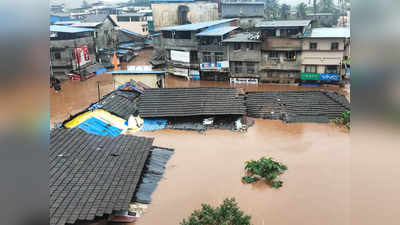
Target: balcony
point(281, 44)
point(211, 48)
point(185, 43)
point(281, 65)
point(245, 55)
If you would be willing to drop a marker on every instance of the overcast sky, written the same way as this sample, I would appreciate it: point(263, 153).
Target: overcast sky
point(77, 3)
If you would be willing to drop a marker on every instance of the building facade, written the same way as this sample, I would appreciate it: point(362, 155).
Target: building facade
point(243, 51)
point(178, 12)
point(281, 50)
point(325, 51)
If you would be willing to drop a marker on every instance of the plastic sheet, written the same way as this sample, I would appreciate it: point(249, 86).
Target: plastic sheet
point(155, 168)
point(98, 127)
point(99, 114)
point(153, 124)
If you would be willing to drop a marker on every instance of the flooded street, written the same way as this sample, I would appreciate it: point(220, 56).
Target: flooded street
point(207, 168)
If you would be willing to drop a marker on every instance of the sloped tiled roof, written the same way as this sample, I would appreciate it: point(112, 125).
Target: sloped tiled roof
point(201, 101)
point(120, 103)
point(93, 175)
point(283, 23)
point(296, 106)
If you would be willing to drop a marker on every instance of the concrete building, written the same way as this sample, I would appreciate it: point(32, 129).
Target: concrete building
point(281, 50)
point(152, 78)
point(134, 22)
point(179, 12)
point(243, 50)
point(248, 12)
point(214, 63)
point(324, 52)
point(184, 47)
point(71, 49)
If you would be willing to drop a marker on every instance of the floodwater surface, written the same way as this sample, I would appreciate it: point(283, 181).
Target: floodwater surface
point(207, 168)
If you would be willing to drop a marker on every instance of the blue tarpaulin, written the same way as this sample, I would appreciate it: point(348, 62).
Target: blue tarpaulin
point(153, 124)
point(96, 126)
point(102, 70)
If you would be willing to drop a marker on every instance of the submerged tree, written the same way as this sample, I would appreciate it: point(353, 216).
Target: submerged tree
point(264, 168)
point(284, 11)
point(228, 213)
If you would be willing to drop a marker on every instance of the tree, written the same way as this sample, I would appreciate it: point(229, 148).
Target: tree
point(272, 9)
point(301, 11)
point(85, 4)
point(326, 6)
point(284, 11)
point(227, 213)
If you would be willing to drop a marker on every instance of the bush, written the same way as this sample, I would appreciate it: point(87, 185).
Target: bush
point(344, 119)
point(228, 214)
point(264, 168)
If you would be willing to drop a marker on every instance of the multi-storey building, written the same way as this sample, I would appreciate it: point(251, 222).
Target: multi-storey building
point(243, 50)
point(281, 50)
point(248, 12)
point(184, 48)
point(325, 51)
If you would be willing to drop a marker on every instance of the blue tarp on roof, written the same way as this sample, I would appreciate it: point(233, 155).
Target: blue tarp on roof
point(130, 44)
point(122, 51)
point(217, 31)
point(96, 126)
point(69, 29)
point(102, 70)
point(136, 72)
point(197, 26)
point(153, 124)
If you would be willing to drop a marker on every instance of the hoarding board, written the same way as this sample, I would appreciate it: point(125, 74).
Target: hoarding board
point(179, 71)
point(329, 77)
point(212, 66)
point(140, 68)
point(180, 56)
point(244, 80)
point(309, 76)
point(82, 56)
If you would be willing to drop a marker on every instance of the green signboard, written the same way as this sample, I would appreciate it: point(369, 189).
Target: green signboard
point(309, 76)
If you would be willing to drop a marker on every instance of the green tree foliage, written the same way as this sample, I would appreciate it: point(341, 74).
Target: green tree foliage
point(301, 10)
point(85, 4)
point(344, 119)
point(326, 6)
point(265, 168)
point(284, 11)
point(226, 214)
point(272, 9)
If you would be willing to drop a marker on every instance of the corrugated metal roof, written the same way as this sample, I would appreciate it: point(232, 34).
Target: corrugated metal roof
point(85, 24)
point(217, 31)
point(242, 37)
point(283, 23)
point(132, 33)
point(137, 72)
point(197, 26)
point(69, 29)
point(330, 32)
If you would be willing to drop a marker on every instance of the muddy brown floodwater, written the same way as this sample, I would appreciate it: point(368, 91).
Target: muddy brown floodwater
point(206, 168)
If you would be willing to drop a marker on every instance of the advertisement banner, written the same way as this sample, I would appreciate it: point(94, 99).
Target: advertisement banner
point(212, 66)
point(180, 56)
point(240, 80)
point(180, 72)
point(329, 77)
point(140, 68)
point(223, 64)
point(82, 56)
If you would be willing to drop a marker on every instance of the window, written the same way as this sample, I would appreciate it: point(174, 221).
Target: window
point(236, 46)
point(167, 34)
point(335, 46)
point(313, 45)
point(291, 56)
point(219, 56)
point(251, 67)
point(250, 46)
point(238, 67)
point(274, 55)
point(57, 55)
point(311, 69)
point(331, 69)
point(206, 56)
